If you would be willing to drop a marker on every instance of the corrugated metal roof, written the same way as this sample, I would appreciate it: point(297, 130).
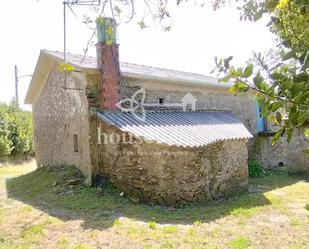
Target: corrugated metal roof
point(188, 129)
point(142, 71)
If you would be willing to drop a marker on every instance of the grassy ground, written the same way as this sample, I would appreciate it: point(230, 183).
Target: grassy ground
point(39, 209)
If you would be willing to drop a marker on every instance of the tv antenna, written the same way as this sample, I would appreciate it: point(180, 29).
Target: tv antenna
point(69, 4)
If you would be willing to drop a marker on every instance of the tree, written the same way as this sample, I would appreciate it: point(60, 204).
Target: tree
point(282, 87)
point(15, 130)
point(6, 145)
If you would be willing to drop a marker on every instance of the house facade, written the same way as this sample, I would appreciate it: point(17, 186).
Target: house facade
point(157, 134)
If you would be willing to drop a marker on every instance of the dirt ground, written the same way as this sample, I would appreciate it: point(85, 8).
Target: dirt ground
point(51, 208)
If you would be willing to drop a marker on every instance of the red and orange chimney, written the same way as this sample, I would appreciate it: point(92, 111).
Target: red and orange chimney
point(108, 63)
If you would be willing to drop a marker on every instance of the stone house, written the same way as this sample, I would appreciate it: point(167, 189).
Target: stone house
point(157, 134)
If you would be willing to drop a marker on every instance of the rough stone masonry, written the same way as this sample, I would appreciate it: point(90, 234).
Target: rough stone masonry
point(175, 175)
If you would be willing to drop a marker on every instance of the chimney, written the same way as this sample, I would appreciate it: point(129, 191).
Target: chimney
point(108, 63)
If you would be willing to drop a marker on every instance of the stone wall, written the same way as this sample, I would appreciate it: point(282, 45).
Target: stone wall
point(242, 105)
point(174, 175)
point(288, 154)
point(58, 114)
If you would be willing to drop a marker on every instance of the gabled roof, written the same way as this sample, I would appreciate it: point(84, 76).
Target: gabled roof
point(129, 70)
point(187, 129)
point(141, 71)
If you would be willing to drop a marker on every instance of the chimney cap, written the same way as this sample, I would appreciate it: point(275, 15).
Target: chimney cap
point(106, 30)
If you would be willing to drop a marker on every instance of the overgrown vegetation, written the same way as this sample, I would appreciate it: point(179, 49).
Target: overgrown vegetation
point(255, 168)
point(15, 130)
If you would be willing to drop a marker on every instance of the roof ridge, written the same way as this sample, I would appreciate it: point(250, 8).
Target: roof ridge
point(56, 51)
point(131, 63)
point(169, 69)
point(171, 111)
point(188, 111)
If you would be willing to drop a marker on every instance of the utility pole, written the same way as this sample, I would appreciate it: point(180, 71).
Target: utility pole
point(17, 77)
point(16, 86)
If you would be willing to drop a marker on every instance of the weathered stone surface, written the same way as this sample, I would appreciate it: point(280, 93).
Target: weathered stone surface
point(286, 154)
point(175, 175)
point(242, 105)
point(58, 114)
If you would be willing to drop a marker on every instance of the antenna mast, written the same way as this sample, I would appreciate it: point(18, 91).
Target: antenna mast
point(70, 3)
point(64, 33)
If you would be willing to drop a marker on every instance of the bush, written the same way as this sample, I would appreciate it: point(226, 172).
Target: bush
point(6, 145)
point(15, 130)
point(255, 169)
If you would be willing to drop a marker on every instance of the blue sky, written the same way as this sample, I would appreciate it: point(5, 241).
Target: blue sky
point(197, 35)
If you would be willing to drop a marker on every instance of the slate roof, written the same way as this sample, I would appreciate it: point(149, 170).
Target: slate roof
point(187, 129)
point(142, 71)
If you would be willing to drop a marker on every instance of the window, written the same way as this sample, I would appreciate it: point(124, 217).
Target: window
point(161, 101)
point(75, 142)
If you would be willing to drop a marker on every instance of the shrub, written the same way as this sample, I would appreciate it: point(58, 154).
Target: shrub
point(15, 130)
point(6, 145)
point(255, 169)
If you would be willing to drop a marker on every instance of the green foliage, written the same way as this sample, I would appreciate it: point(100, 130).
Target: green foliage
point(100, 20)
point(255, 169)
point(15, 130)
point(307, 207)
point(170, 229)
point(64, 67)
point(307, 133)
point(240, 242)
point(281, 85)
point(33, 233)
point(6, 145)
point(152, 224)
point(248, 71)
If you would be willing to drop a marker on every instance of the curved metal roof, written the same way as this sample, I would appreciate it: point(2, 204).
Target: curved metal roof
point(187, 129)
